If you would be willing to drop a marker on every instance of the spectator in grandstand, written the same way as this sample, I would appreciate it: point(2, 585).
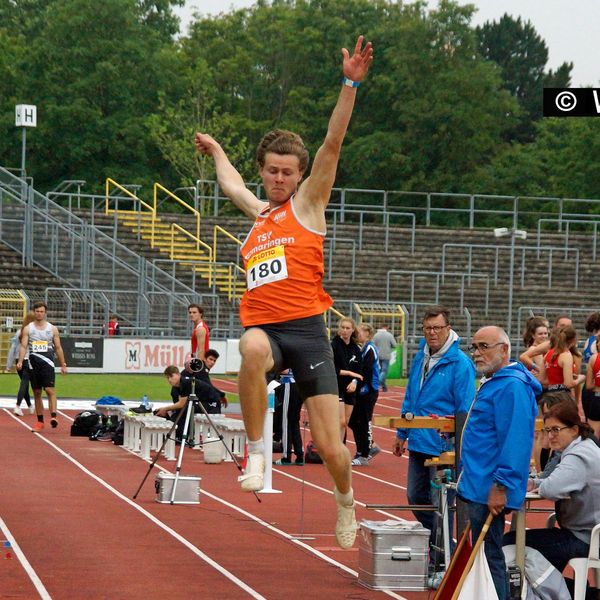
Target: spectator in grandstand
point(536, 333)
point(542, 348)
point(283, 305)
point(288, 397)
point(200, 334)
point(365, 399)
point(574, 485)
point(496, 444)
point(112, 327)
point(441, 382)
point(562, 362)
point(592, 326)
point(384, 342)
point(41, 341)
point(23, 373)
point(348, 366)
point(592, 385)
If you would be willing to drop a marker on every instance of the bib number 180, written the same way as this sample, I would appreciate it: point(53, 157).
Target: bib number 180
point(266, 267)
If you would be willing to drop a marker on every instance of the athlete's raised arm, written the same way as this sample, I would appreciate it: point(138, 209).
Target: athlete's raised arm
point(315, 190)
point(229, 179)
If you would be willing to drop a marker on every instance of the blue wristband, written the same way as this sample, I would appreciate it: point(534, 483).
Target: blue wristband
point(350, 83)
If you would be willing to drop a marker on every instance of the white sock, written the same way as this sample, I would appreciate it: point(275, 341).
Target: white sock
point(257, 447)
point(346, 499)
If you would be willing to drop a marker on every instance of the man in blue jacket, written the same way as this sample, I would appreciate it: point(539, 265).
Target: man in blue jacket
point(441, 382)
point(496, 444)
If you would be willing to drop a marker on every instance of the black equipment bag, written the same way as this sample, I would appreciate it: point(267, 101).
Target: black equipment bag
point(86, 423)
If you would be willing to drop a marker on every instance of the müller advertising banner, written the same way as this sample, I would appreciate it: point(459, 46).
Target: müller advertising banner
point(140, 355)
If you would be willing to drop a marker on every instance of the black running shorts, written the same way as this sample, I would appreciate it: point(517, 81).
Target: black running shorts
point(302, 345)
point(41, 375)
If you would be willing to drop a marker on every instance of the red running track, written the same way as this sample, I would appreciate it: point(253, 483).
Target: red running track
point(66, 506)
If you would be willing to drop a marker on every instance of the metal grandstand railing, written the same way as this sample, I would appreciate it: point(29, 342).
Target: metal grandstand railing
point(497, 249)
point(434, 280)
point(434, 208)
point(564, 225)
point(77, 253)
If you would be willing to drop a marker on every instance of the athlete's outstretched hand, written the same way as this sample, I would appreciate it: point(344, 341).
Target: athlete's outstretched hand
point(355, 67)
point(205, 144)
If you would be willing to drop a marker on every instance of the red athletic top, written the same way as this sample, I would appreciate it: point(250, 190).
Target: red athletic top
point(596, 370)
point(284, 269)
point(195, 339)
point(554, 372)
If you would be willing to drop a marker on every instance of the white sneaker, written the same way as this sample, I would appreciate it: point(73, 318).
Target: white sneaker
point(345, 527)
point(252, 479)
point(31, 409)
point(18, 411)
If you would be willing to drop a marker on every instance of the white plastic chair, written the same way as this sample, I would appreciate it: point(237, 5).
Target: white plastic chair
point(581, 566)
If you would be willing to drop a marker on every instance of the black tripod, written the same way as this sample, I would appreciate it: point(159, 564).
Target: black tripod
point(191, 404)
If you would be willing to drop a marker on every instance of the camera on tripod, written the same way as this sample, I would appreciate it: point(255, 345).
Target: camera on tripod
point(193, 364)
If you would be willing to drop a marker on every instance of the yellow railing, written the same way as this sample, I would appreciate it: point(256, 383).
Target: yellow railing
point(196, 240)
point(232, 290)
point(219, 230)
point(111, 182)
point(157, 187)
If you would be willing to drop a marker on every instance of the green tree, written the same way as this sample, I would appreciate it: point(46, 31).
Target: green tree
point(559, 163)
point(94, 71)
point(522, 55)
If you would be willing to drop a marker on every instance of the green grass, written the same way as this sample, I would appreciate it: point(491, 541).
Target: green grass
point(125, 386)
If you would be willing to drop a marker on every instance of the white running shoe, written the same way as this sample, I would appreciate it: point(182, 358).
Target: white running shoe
point(252, 479)
point(18, 411)
point(345, 527)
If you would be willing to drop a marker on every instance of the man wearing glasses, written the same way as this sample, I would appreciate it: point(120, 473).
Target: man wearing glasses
point(496, 444)
point(441, 382)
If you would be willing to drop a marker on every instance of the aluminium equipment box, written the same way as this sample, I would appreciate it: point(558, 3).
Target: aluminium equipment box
point(393, 555)
point(186, 492)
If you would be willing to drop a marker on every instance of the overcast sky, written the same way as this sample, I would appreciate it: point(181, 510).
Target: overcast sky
point(570, 28)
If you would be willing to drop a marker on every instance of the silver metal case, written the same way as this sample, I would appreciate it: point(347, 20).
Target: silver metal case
point(186, 492)
point(393, 555)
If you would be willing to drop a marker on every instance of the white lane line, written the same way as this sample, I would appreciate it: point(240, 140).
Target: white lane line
point(251, 592)
point(292, 539)
point(258, 520)
point(39, 586)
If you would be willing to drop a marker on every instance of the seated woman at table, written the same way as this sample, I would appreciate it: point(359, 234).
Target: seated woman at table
point(574, 485)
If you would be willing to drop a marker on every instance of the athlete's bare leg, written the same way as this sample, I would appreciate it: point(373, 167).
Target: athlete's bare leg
point(257, 360)
point(323, 414)
point(39, 405)
point(51, 395)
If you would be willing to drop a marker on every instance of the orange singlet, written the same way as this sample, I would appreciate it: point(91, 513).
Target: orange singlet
point(284, 269)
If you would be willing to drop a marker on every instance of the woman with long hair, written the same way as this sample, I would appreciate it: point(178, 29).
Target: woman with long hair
point(348, 368)
point(562, 362)
point(23, 373)
point(536, 333)
point(368, 391)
